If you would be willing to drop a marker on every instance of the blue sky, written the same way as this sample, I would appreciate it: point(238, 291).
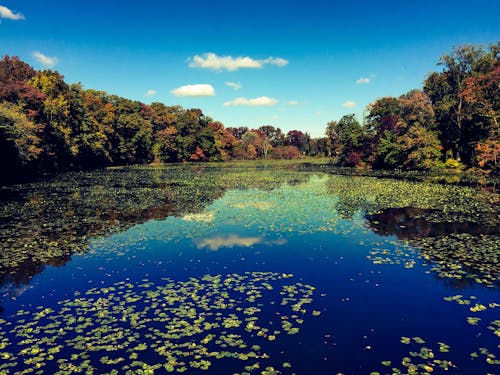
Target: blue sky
point(294, 65)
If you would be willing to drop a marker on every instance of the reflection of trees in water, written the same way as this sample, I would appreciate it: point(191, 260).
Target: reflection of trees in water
point(456, 228)
point(470, 246)
point(407, 223)
point(46, 222)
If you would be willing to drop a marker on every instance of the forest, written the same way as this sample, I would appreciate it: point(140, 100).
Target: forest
point(48, 125)
point(451, 123)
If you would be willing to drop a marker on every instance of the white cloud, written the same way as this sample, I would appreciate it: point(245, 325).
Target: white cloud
point(349, 104)
point(234, 85)
point(44, 59)
point(194, 90)
point(10, 15)
point(262, 101)
point(294, 103)
point(278, 61)
point(151, 92)
point(211, 61)
point(363, 81)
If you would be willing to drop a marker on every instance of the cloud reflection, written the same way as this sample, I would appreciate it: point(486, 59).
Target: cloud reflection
point(233, 240)
point(204, 217)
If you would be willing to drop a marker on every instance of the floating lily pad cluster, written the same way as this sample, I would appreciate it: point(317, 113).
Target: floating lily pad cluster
point(173, 327)
point(421, 360)
point(463, 256)
point(394, 252)
point(475, 307)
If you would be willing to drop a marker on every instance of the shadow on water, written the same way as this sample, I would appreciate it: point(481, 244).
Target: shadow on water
point(466, 245)
point(408, 223)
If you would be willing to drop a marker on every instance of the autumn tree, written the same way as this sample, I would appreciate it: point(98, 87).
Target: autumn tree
point(482, 94)
point(19, 140)
point(238, 132)
point(345, 140)
point(454, 114)
point(298, 139)
point(274, 135)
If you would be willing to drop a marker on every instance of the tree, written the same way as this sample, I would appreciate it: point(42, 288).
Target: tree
point(487, 154)
point(416, 110)
point(420, 148)
point(298, 139)
point(19, 132)
point(262, 144)
point(345, 138)
point(238, 132)
point(248, 145)
point(195, 140)
point(482, 93)
point(95, 128)
point(165, 146)
point(401, 132)
point(14, 87)
point(384, 115)
point(444, 90)
point(319, 147)
point(274, 135)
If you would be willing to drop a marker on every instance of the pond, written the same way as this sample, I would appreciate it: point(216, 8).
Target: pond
point(248, 269)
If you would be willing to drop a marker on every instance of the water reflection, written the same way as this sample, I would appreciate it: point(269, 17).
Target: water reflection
point(234, 240)
point(44, 223)
point(463, 254)
point(320, 228)
point(408, 223)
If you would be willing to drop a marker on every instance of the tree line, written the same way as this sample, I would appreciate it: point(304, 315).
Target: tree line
point(452, 123)
point(47, 125)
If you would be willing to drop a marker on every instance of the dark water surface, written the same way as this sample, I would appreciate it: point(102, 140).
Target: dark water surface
point(228, 270)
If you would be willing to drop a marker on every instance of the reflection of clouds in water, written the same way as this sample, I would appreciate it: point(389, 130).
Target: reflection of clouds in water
point(204, 217)
point(257, 205)
point(233, 240)
point(17, 292)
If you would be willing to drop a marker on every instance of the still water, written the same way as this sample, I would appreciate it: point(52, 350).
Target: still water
point(247, 270)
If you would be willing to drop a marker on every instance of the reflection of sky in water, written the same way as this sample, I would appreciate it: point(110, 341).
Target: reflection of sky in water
point(370, 290)
point(241, 217)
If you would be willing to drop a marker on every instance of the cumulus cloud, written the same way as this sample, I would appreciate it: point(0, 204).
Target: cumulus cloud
point(194, 90)
point(363, 81)
point(214, 62)
point(294, 103)
point(44, 59)
point(9, 14)
point(278, 61)
point(151, 92)
point(234, 85)
point(349, 104)
point(233, 240)
point(262, 101)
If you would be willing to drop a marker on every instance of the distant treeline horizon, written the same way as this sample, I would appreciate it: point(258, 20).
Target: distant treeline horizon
point(48, 126)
